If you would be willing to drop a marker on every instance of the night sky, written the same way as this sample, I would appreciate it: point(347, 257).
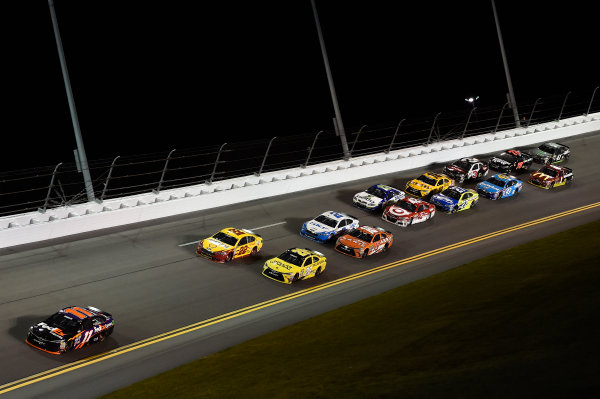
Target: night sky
point(149, 76)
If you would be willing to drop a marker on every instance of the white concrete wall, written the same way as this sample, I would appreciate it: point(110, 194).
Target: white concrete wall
point(64, 221)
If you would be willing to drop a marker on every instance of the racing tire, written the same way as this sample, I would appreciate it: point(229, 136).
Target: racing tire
point(318, 271)
point(109, 331)
point(229, 257)
point(365, 253)
point(473, 204)
point(69, 346)
point(296, 277)
point(410, 222)
point(254, 251)
point(454, 210)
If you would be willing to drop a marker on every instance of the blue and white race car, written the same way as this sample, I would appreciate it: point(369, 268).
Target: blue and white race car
point(328, 225)
point(454, 199)
point(377, 197)
point(499, 186)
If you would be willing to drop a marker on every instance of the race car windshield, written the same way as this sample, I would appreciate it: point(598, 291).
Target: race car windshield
point(361, 235)
point(507, 157)
point(65, 323)
point(496, 182)
point(379, 193)
point(452, 193)
point(326, 221)
point(406, 206)
point(427, 180)
point(227, 239)
point(292, 257)
point(462, 164)
point(548, 171)
point(546, 148)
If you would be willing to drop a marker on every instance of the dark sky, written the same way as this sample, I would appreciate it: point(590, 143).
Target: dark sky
point(149, 76)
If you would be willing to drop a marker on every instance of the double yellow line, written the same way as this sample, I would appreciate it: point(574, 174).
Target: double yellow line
point(240, 312)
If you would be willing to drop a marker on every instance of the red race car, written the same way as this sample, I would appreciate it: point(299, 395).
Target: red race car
point(408, 211)
point(551, 176)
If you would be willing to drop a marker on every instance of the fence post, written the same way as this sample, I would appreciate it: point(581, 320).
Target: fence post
point(43, 208)
point(432, 126)
point(212, 175)
point(563, 105)
point(467, 124)
point(311, 149)
point(162, 176)
point(265, 158)
point(356, 139)
point(394, 137)
point(532, 111)
point(500, 117)
point(591, 101)
point(108, 178)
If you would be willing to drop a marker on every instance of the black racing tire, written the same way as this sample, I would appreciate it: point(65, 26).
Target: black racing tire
point(410, 222)
point(318, 271)
point(109, 331)
point(386, 247)
point(69, 345)
point(474, 204)
point(454, 210)
point(254, 251)
point(296, 277)
point(365, 253)
point(229, 257)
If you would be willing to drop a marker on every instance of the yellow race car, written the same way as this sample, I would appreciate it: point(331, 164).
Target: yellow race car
point(295, 264)
point(428, 184)
point(228, 244)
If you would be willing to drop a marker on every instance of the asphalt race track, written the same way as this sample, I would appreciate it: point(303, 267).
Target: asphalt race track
point(149, 278)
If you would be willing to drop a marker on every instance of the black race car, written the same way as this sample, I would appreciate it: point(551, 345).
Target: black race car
point(511, 161)
point(70, 328)
point(551, 153)
point(466, 169)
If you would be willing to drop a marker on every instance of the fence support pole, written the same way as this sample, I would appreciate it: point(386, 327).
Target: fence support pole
point(432, 126)
point(162, 176)
point(43, 208)
point(591, 101)
point(500, 117)
point(467, 124)
point(532, 111)
point(394, 137)
point(112, 165)
point(212, 175)
point(265, 158)
point(356, 139)
point(563, 106)
point(311, 149)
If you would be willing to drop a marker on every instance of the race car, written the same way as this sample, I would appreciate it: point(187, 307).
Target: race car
point(70, 328)
point(295, 264)
point(551, 176)
point(230, 243)
point(427, 184)
point(328, 225)
point(454, 199)
point(466, 169)
point(377, 197)
point(499, 186)
point(364, 241)
point(551, 153)
point(408, 211)
point(511, 161)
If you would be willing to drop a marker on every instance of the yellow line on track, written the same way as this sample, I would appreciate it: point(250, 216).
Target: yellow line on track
point(240, 312)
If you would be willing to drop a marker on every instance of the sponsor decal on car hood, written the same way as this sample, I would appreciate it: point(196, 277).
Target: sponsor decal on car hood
point(419, 185)
point(281, 266)
point(399, 212)
point(318, 228)
point(488, 187)
point(443, 200)
point(541, 176)
point(214, 245)
point(367, 198)
point(455, 169)
point(352, 242)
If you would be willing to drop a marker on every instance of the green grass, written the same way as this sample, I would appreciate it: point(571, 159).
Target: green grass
point(521, 323)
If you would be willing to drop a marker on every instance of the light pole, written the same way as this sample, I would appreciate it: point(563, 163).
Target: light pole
point(87, 179)
point(511, 93)
point(336, 108)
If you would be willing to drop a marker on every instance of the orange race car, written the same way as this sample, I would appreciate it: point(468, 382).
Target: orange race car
point(364, 241)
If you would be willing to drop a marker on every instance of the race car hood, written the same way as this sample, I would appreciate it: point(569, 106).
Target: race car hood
point(48, 333)
point(352, 242)
point(399, 212)
point(419, 185)
point(541, 176)
point(367, 199)
point(214, 245)
point(317, 228)
point(443, 200)
point(455, 170)
point(488, 187)
point(281, 266)
point(540, 153)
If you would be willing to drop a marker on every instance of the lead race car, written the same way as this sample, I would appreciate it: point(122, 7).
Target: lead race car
point(499, 186)
point(70, 328)
point(328, 225)
point(230, 243)
point(377, 197)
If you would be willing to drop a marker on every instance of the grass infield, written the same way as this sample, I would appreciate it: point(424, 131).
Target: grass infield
point(521, 323)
